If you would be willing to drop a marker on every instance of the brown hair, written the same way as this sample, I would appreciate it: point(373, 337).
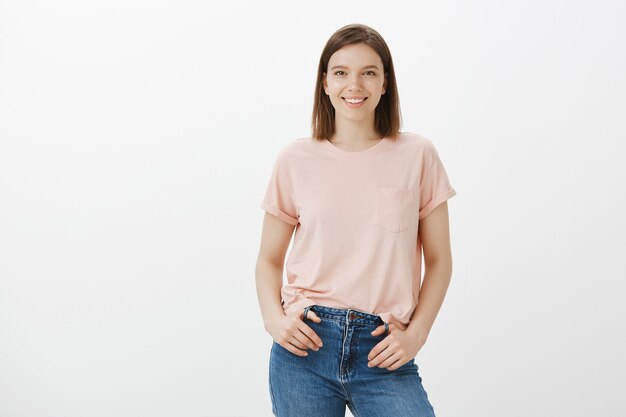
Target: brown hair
point(387, 118)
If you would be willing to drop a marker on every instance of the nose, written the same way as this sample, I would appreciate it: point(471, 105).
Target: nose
point(354, 82)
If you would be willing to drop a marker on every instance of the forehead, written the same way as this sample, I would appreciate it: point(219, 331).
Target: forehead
point(356, 55)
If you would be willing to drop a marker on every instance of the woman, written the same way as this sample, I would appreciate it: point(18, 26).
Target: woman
point(364, 200)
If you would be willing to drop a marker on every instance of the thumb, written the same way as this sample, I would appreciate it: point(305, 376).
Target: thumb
point(313, 316)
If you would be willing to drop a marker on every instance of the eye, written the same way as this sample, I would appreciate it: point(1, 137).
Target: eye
point(373, 73)
point(337, 72)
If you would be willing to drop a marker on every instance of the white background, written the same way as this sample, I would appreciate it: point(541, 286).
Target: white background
point(137, 139)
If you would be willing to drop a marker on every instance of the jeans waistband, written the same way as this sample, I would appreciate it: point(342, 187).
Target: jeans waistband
point(346, 315)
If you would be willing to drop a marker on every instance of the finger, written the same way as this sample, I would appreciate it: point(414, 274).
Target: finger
point(297, 341)
point(376, 354)
point(390, 360)
point(380, 360)
point(397, 365)
point(302, 341)
point(376, 350)
point(305, 342)
point(293, 349)
point(313, 340)
point(314, 317)
point(379, 331)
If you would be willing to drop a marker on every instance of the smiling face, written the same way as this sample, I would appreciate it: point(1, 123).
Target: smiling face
point(355, 82)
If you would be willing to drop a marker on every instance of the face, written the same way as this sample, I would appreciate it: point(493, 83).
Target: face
point(355, 72)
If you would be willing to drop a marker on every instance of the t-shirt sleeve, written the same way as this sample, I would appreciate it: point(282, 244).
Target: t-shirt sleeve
point(435, 187)
point(278, 199)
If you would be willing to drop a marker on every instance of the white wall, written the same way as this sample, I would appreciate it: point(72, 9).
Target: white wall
point(136, 141)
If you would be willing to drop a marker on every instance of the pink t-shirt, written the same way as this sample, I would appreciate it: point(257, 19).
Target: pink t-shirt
point(357, 214)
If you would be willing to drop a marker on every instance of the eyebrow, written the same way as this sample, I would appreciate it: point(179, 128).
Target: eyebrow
point(365, 67)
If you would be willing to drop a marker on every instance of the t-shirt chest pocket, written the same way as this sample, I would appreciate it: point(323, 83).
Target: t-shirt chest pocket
point(395, 208)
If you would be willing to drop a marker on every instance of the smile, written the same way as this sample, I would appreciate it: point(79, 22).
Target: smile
point(354, 103)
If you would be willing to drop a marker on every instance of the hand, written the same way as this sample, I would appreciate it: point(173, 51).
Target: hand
point(292, 333)
point(395, 350)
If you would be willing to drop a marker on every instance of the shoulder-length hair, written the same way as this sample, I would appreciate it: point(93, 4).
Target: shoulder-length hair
point(387, 118)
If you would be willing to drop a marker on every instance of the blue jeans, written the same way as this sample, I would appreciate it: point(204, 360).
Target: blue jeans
point(324, 382)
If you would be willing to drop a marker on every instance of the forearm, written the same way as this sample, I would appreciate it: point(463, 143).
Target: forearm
point(436, 281)
point(269, 280)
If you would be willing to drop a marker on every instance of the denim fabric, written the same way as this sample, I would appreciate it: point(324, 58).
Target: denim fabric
point(324, 382)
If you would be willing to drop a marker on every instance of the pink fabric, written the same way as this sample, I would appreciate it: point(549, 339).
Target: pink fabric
point(357, 213)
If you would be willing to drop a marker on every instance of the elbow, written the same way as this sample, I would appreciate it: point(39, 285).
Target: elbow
point(441, 263)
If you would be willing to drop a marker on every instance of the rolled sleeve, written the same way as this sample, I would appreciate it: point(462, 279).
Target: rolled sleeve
point(278, 199)
point(435, 187)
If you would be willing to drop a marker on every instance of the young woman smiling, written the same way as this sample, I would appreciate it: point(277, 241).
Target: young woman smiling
point(365, 200)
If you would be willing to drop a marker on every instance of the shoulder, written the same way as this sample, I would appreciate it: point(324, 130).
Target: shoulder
point(291, 153)
point(416, 145)
point(295, 144)
point(416, 141)
point(295, 148)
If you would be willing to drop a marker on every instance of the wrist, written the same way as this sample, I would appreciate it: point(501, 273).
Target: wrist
point(267, 321)
point(417, 332)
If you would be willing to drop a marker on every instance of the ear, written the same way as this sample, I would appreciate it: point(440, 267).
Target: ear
point(324, 83)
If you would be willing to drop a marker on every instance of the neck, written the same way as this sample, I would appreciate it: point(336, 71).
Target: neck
point(354, 132)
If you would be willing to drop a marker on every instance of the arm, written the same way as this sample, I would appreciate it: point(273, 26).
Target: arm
point(288, 331)
point(434, 234)
point(275, 239)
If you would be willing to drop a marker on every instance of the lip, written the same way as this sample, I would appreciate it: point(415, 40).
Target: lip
point(354, 106)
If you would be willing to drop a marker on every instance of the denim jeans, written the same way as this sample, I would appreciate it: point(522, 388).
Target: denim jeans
point(324, 382)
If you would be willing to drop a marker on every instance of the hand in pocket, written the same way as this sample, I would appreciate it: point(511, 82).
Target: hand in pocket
point(292, 333)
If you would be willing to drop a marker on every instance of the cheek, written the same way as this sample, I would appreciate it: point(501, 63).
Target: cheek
point(334, 86)
point(375, 85)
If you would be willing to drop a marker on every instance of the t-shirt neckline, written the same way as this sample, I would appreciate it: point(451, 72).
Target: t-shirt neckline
point(356, 154)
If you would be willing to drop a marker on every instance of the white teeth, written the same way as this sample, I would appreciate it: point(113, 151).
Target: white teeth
point(354, 101)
